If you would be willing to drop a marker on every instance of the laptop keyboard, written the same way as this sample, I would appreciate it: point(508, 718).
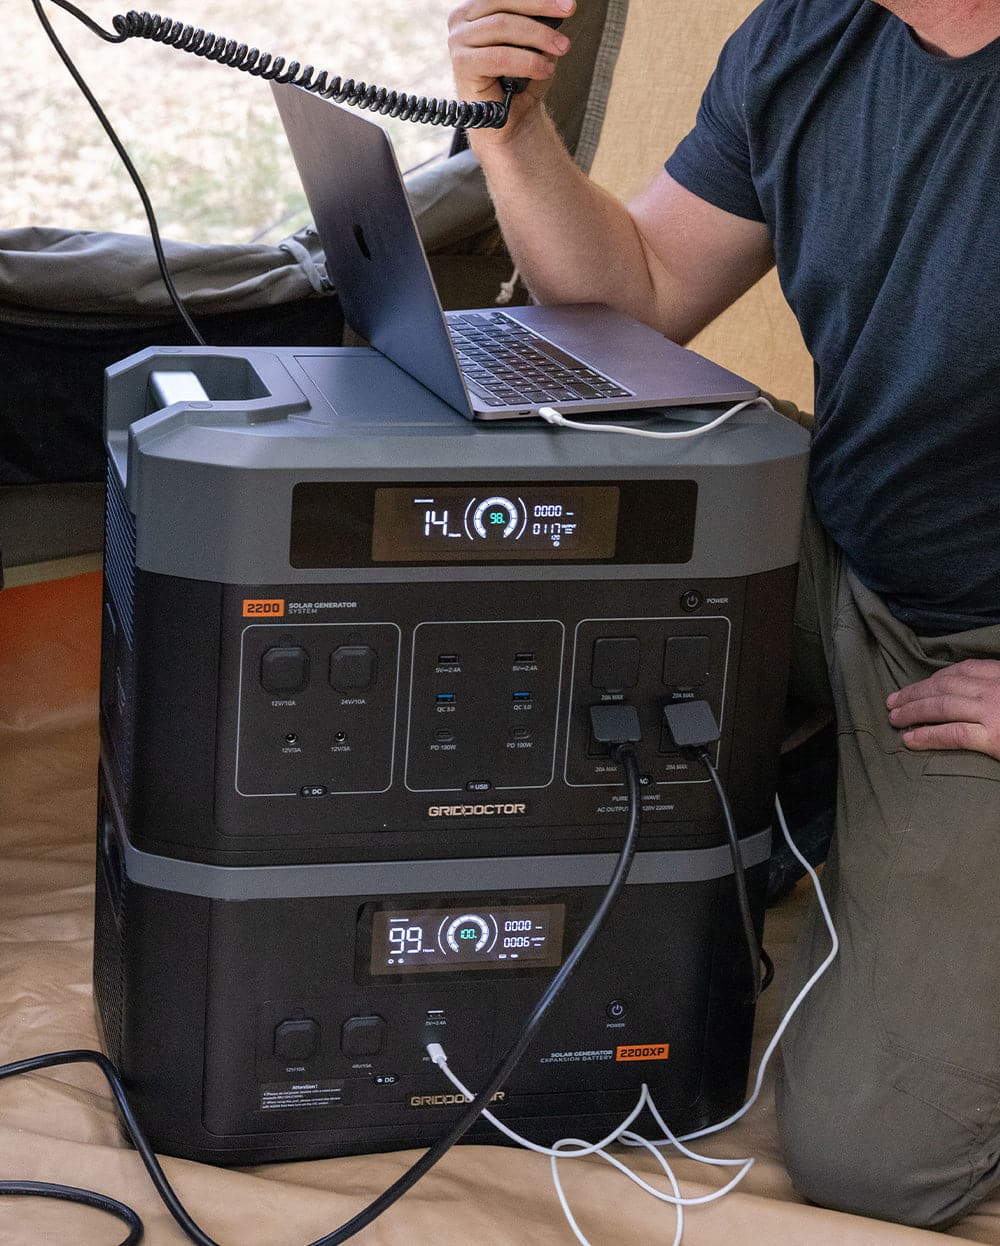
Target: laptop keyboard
point(507, 365)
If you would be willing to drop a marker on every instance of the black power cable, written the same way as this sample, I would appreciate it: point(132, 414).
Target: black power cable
point(624, 753)
point(739, 879)
point(154, 229)
point(490, 114)
point(88, 1198)
point(692, 726)
point(463, 114)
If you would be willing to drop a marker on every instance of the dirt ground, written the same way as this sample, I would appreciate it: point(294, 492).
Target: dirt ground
point(206, 140)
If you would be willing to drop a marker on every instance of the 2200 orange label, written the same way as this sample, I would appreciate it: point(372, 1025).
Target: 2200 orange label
point(274, 608)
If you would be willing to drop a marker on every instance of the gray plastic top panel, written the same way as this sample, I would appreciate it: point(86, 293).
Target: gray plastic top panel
point(210, 483)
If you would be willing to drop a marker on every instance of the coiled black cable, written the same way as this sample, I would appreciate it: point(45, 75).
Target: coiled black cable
point(483, 114)
point(463, 114)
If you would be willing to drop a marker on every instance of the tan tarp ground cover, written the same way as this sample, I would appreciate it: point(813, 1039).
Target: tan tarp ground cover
point(61, 1126)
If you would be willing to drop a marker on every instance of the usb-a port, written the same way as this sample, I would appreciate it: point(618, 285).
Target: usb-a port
point(447, 659)
point(522, 696)
point(445, 698)
point(525, 655)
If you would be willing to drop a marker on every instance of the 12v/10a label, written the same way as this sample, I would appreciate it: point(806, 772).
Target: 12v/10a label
point(292, 1096)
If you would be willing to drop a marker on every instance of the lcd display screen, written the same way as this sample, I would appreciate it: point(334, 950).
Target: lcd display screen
point(495, 523)
point(343, 524)
point(442, 940)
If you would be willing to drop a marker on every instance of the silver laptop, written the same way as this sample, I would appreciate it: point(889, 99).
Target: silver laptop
point(488, 364)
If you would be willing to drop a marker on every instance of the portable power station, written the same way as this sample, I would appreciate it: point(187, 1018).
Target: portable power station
point(349, 795)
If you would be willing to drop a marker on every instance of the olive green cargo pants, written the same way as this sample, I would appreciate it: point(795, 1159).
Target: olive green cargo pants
point(889, 1095)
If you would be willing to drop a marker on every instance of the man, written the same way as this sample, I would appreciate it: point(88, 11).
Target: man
point(857, 146)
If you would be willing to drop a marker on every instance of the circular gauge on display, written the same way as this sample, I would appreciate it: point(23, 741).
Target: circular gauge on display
point(469, 933)
point(497, 518)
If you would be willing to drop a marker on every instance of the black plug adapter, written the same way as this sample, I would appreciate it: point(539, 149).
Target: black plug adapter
point(615, 725)
point(691, 724)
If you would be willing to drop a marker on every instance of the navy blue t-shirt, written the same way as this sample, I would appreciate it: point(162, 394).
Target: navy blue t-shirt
point(876, 165)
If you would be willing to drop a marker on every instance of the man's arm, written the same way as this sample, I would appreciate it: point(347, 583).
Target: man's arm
point(668, 258)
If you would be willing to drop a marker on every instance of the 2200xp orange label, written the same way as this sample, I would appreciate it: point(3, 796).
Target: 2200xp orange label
point(650, 1051)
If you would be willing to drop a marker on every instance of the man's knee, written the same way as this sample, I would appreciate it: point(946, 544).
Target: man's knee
point(883, 1154)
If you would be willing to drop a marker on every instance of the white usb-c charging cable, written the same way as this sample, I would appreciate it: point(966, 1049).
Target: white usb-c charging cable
point(551, 416)
point(580, 1148)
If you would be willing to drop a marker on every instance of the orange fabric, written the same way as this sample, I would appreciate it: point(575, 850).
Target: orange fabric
point(61, 1126)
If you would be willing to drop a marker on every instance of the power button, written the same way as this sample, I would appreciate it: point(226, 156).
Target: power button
point(691, 600)
point(616, 1009)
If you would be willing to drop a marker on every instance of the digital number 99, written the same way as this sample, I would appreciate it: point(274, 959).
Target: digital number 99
point(403, 939)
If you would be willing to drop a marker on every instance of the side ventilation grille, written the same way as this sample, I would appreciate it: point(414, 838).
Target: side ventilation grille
point(119, 552)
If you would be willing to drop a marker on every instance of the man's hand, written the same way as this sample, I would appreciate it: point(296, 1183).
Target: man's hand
point(490, 39)
point(958, 707)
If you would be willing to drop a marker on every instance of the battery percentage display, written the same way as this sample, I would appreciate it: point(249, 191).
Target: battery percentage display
point(430, 940)
point(512, 523)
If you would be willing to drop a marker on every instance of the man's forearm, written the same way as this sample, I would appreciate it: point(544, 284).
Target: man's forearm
point(670, 258)
point(571, 241)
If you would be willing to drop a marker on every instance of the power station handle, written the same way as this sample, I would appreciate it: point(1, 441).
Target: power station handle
point(167, 388)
